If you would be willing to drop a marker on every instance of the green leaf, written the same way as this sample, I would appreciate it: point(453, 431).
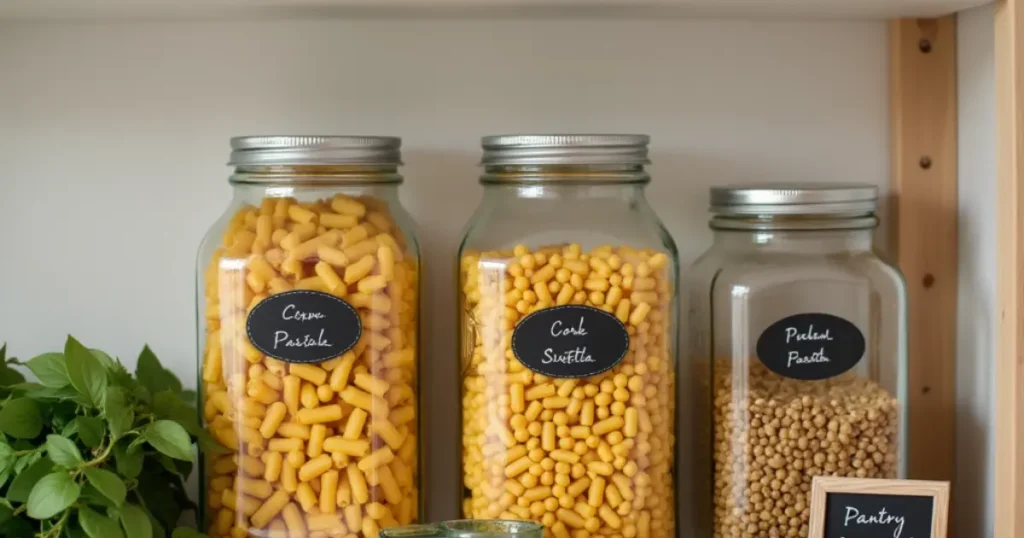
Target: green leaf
point(50, 369)
point(91, 430)
point(128, 460)
point(86, 372)
point(53, 494)
point(40, 392)
point(108, 483)
point(102, 356)
point(183, 468)
point(124, 379)
point(6, 455)
point(168, 405)
point(27, 388)
point(21, 487)
point(190, 397)
point(6, 511)
point(21, 418)
point(92, 496)
point(27, 459)
point(63, 451)
point(9, 376)
point(70, 429)
point(135, 521)
point(97, 525)
point(159, 499)
point(169, 438)
point(153, 375)
point(18, 528)
point(119, 415)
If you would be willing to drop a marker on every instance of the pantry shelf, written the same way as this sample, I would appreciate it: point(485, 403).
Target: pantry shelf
point(171, 9)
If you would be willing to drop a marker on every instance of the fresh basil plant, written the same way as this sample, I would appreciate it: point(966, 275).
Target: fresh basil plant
point(93, 451)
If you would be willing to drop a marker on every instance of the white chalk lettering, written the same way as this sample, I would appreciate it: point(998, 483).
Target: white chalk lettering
point(573, 356)
point(291, 312)
point(794, 334)
point(557, 330)
point(283, 339)
point(882, 518)
point(816, 357)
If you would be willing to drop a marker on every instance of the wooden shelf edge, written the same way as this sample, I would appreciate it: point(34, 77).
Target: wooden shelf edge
point(201, 9)
point(923, 116)
point(1009, 364)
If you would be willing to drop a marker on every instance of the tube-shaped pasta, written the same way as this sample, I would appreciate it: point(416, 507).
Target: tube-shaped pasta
point(299, 432)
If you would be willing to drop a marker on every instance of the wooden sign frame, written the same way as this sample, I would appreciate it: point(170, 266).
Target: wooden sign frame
point(823, 485)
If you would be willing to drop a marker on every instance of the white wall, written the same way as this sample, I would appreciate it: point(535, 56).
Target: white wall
point(974, 481)
point(113, 139)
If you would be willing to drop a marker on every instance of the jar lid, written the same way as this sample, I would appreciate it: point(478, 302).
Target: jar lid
point(794, 199)
point(314, 150)
point(555, 149)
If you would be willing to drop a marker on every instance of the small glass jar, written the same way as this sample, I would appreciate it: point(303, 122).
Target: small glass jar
point(308, 316)
point(414, 531)
point(492, 529)
point(468, 529)
point(569, 319)
point(798, 330)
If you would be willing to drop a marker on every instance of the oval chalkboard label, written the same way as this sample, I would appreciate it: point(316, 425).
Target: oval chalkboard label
point(570, 341)
point(811, 346)
point(303, 326)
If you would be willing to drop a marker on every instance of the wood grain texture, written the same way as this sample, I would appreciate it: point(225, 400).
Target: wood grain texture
point(822, 486)
point(1009, 364)
point(924, 183)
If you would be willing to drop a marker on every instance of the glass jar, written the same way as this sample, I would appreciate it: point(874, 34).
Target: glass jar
point(492, 529)
point(414, 531)
point(798, 329)
point(468, 529)
point(308, 316)
point(568, 335)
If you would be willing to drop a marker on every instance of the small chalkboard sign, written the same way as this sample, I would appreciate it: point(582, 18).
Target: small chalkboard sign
point(871, 508)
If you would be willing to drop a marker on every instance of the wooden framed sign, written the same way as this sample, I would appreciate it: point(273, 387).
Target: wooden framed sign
point(871, 508)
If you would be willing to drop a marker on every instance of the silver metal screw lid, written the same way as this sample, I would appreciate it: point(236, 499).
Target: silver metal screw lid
point(555, 149)
point(794, 199)
point(289, 150)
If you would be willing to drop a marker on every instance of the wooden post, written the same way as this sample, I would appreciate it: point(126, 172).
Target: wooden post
point(924, 183)
point(1009, 367)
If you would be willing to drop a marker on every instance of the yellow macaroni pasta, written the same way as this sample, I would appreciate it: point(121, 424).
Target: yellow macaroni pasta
point(325, 449)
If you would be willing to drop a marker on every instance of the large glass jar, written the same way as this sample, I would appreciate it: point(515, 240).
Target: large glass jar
point(798, 329)
point(308, 316)
point(569, 324)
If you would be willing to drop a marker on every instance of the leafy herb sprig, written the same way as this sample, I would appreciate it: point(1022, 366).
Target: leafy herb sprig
point(92, 451)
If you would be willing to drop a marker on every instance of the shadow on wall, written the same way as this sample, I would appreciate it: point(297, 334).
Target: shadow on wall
point(971, 498)
point(441, 192)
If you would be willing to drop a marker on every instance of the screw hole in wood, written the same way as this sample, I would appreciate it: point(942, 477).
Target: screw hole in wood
point(926, 162)
point(925, 45)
